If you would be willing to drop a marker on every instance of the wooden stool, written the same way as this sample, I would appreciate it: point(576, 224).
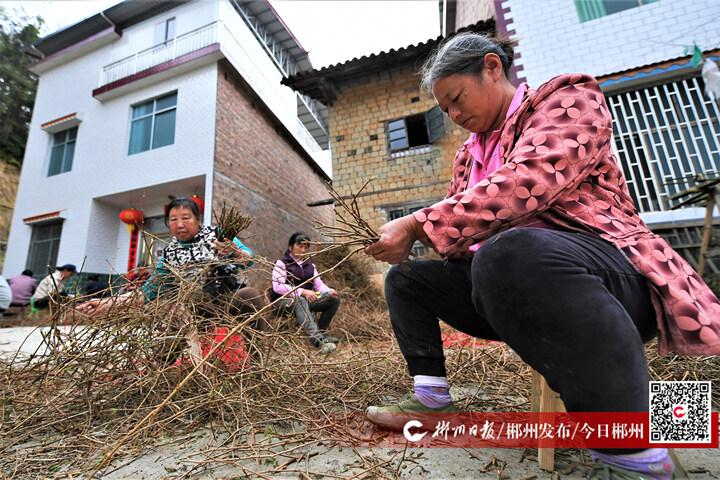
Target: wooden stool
point(544, 399)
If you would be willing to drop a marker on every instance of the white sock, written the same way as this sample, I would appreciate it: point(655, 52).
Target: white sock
point(430, 381)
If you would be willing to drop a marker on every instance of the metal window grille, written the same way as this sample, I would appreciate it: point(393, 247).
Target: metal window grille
point(665, 135)
point(44, 244)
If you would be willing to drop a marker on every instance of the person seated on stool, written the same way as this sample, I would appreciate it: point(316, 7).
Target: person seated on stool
point(52, 285)
point(295, 269)
point(543, 248)
point(23, 286)
point(96, 288)
point(5, 295)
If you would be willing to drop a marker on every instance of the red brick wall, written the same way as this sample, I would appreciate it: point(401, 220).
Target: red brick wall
point(259, 171)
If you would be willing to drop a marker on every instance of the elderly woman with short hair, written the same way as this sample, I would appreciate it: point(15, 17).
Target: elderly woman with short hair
point(544, 250)
point(194, 249)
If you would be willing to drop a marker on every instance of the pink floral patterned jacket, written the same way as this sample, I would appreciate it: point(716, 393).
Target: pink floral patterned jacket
point(558, 166)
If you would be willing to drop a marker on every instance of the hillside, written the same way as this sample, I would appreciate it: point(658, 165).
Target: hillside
point(9, 179)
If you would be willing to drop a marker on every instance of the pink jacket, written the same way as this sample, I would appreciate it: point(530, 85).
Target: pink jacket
point(558, 166)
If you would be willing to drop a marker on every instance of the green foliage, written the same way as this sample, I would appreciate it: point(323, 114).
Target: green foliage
point(17, 83)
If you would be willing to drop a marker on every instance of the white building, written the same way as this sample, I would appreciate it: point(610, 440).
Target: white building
point(150, 99)
point(666, 130)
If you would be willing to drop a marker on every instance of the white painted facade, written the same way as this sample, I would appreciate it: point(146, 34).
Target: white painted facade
point(104, 179)
point(666, 130)
point(553, 41)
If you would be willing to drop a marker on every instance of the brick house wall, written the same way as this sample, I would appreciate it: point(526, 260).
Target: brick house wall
point(360, 147)
point(258, 170)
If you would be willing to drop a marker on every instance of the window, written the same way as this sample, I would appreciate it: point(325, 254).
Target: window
point(415, 130)
point(396, 212)
point(44, 243)
point(665, 135)
point(592, 9)
point(165, 31)
point(153, 124)
point(62, 152)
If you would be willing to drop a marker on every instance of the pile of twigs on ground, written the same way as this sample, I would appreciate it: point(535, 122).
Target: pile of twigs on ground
point(103, 388)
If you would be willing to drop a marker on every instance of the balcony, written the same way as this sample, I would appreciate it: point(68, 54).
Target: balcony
point(314, 115)
point(197, 47)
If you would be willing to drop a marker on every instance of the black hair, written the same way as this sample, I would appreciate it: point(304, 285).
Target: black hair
point(28, 273)
point(464, 53)
point(298, 237)
point(182, 202)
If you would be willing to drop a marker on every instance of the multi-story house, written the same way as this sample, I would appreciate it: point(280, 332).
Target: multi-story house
point(382, 127)
point(666, 129)
point(147, 100)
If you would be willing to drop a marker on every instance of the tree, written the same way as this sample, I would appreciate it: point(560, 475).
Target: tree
point(17, 84)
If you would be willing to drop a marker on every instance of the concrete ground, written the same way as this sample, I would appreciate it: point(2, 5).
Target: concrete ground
point(175, 457)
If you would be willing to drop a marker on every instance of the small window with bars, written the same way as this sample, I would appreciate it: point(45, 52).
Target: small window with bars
point(43, 252)
point(665, 136)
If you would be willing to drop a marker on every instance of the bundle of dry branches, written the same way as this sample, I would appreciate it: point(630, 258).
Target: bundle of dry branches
point(104, 388)
point(350, 228)
point(230, 222)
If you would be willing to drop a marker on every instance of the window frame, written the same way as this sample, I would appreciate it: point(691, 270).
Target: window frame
point(434, 122)
point(66, 163)
point(153, 116)
point(53, 250)
point(163, 38)
point(588, 10)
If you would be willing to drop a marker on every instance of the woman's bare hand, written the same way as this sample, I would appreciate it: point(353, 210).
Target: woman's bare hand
point(94, 307)
point(229, 248)
point(396, 240)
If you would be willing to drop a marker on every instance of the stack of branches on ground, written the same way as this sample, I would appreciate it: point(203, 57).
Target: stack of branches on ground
point(106, 387)
point(96, 384)
point(363, 314)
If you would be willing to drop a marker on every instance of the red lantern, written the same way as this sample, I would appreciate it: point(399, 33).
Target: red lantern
point(131, 217)
point(199, 202)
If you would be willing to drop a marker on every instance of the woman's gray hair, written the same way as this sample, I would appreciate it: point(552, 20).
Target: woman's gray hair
point(464, 53)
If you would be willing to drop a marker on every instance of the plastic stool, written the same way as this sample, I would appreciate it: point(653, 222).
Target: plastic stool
point(33, 310)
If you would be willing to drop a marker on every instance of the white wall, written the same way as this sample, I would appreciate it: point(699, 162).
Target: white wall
point(101, 163)
point(141, 36)
point(552, 40)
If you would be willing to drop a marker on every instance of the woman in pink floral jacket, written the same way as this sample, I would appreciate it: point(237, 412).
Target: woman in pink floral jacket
point(544, 250)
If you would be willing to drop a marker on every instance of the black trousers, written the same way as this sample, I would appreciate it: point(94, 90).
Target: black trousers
point(570, 304)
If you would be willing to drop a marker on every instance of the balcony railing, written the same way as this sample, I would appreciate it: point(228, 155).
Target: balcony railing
point(170, 50)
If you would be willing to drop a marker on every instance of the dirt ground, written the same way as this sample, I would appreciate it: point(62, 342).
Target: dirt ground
point(183, 456)
point(173, 458)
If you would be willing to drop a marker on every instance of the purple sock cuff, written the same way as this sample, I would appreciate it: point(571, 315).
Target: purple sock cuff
point(429, 397)
point(657, 466)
